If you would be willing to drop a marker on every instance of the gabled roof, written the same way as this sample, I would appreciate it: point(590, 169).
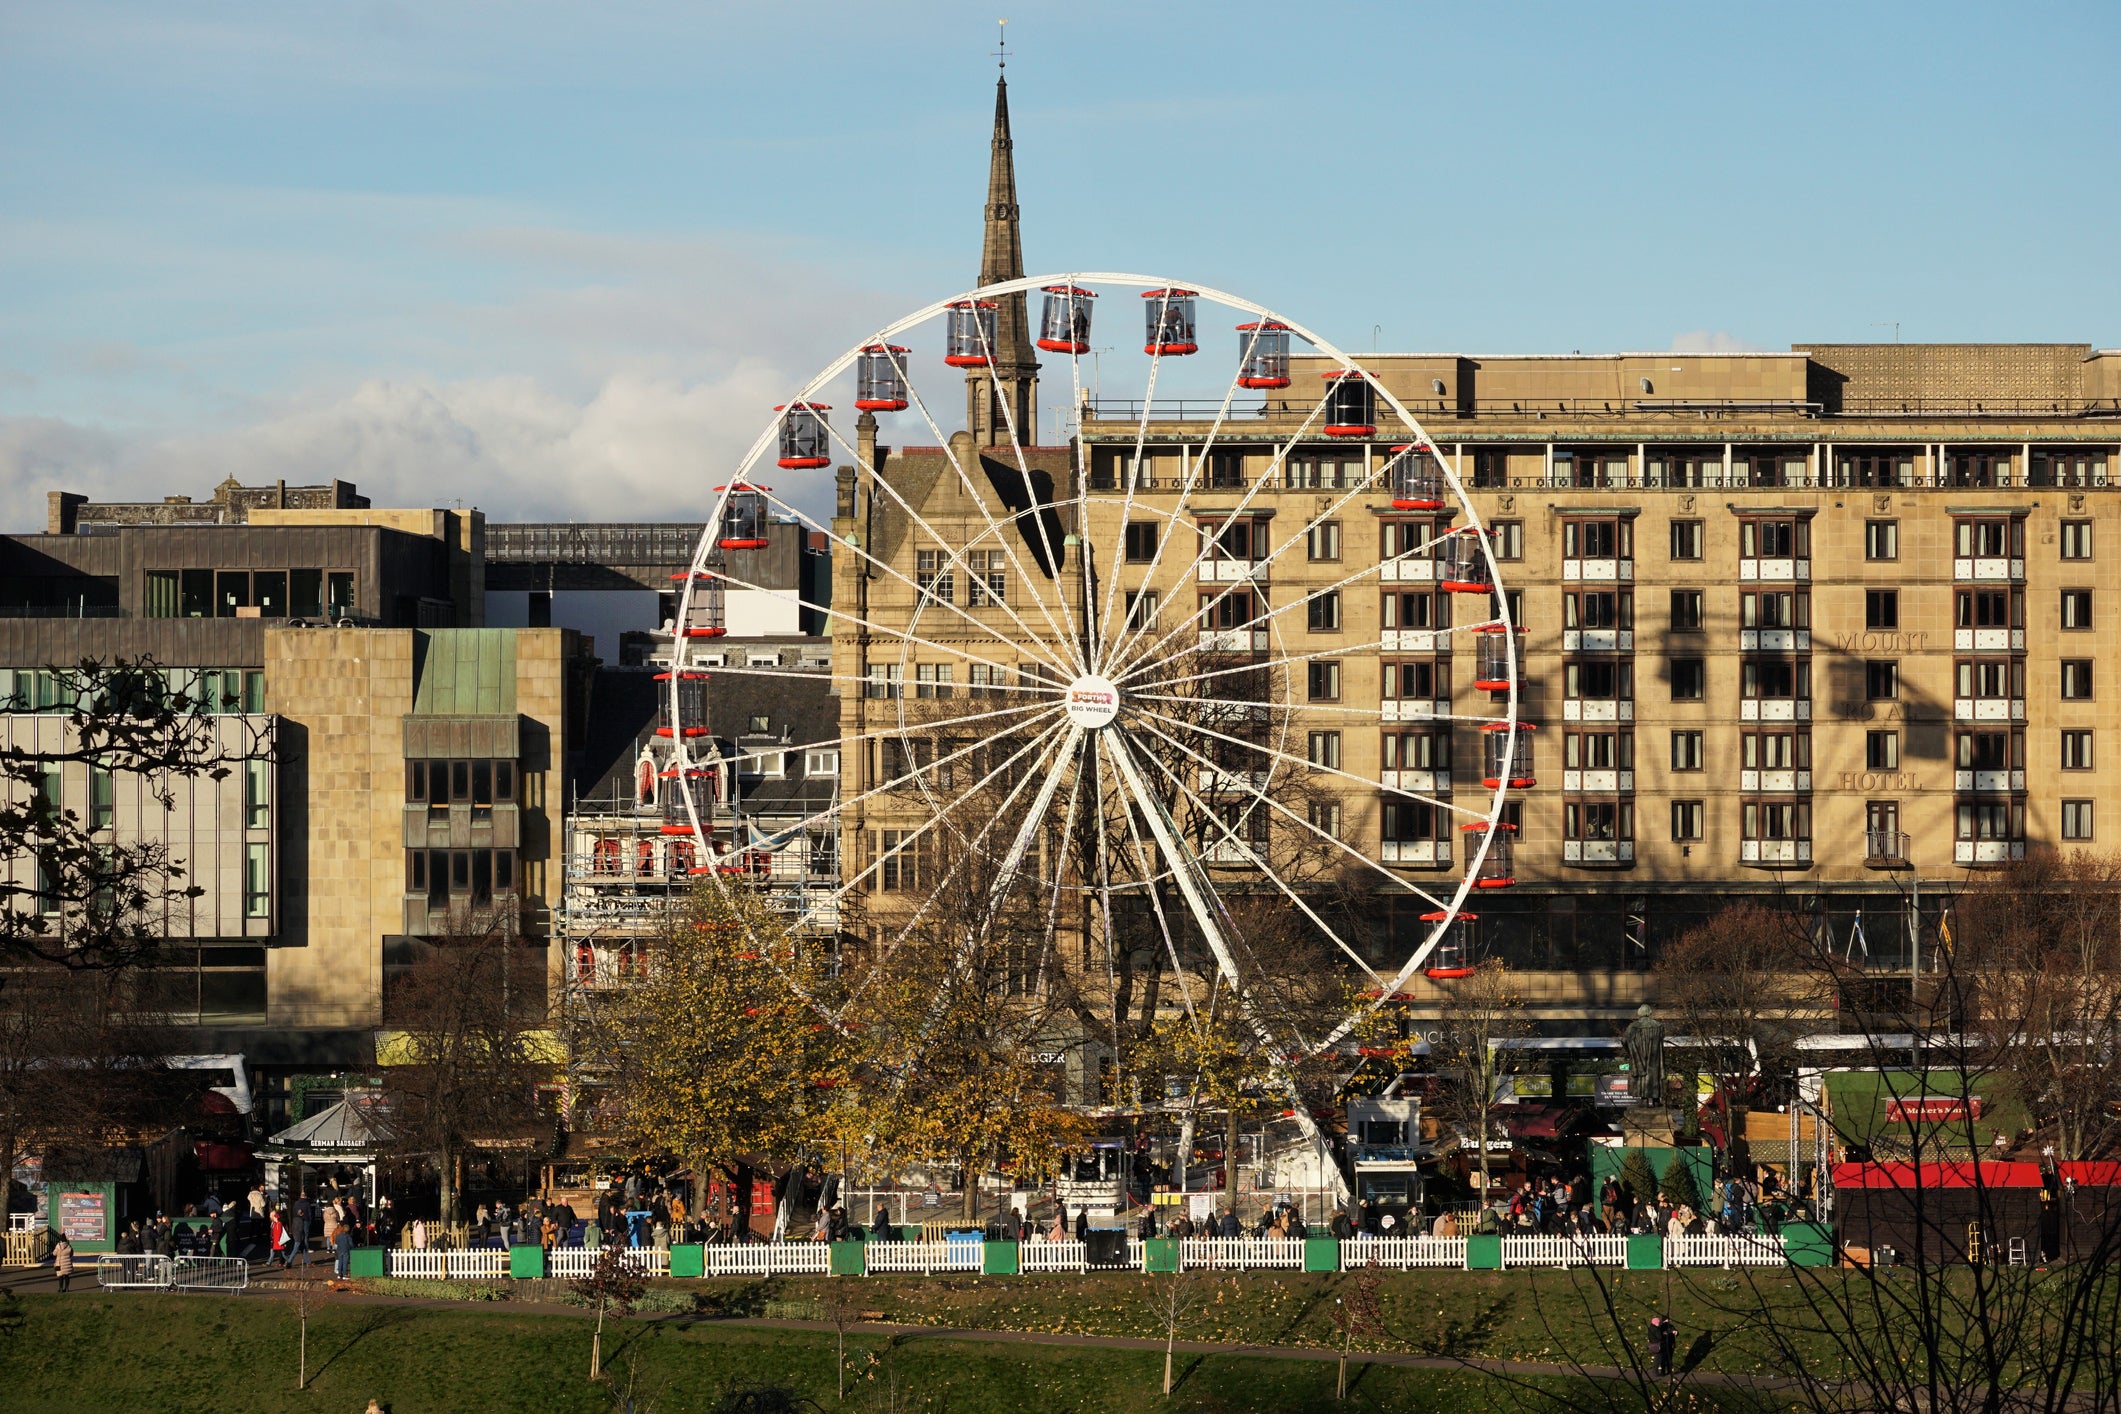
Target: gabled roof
point(350, 1124)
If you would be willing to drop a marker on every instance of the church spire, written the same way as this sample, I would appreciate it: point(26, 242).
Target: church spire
point(1014, 376)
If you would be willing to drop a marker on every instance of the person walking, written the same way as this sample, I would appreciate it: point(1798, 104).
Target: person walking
point(63, 1262)
point(305, 1216)
point(280, 1243)
point(342, 1252)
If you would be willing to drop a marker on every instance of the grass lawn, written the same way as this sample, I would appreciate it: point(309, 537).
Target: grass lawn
point(223, 1355)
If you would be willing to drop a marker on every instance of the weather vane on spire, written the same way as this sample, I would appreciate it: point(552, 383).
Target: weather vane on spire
point(1002, 53)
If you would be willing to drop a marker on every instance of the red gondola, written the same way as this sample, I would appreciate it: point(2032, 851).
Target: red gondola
point(1064, 327)
point(969, 337)
point(707, 615)
point(696, 787)
point(1503, 759)
point(687, 715)
point(743, 517)
point(1170, 322)
point(1264, 349)
point(1498, 869)
point(1351, 404)
point(1491, 658)
point(805, 441)
point(1462, 562)
point(880, 379)
point(1452, 957)
point(1416, 479)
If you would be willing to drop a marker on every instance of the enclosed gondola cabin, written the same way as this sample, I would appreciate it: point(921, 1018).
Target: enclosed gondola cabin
point(706, 613)
point(806, 442)
point(1064, 327)
point(880, 379)
point(1170, 326)
point(1506, 756)
point(1462, 563)
point(969, 334)
point(1452, 957)
point(743, 523)
point(1263, 351)
point(686, 794)
point(1416, 479)
point(1497, 869)
point(684, 705)
point(1491, 658)
point(1351, 404)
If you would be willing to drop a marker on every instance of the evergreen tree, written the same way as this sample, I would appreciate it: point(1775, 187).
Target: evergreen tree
point(1637, 1177)
point(1677, 1187)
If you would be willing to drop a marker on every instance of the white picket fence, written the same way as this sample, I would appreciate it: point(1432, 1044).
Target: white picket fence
point(1240, 1253)
point(923, 1257)
point(1403, 1253)
point(1724, 1250)
point(1598, 1249)
point(574, 1263)
point(1066, 1256)
point(768, 1259)
point(447, 1264)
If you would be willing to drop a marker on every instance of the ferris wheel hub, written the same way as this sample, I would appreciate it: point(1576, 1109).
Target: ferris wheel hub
point(1092, 702)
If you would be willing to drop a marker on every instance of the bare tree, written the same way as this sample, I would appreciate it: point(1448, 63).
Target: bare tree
point(1171, 1299)
point(613, 1284)
point(470, 1060)
point(1742, 985)
point(1357, 1315)
point(1481, 1013)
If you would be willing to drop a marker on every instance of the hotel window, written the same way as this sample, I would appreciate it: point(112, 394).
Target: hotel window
point(1506, 538)
point(1417, 681)
point(1881, 824)
point(1686, 611)
point(1881, 680)
point(257, 795)
point(1775, 678)
point(1881, 751)
point(1226, 609)
point(1322, 611)
point(1778, 820)
point(2076, 679)
point(1686, 821)
point(257, 881)
point(1491, 467)
point(2076, 608)
point(1597, 609)
point(821, 763)
point(1775, 751)
point(1989, 538)
point(886, 681)
point(1411, 821)
point(1240, 539)
point(929, 680)
point(2076, 750)
point(1989, 820)
point(2076, 540)
point(1322, 541)
point(1417, 751)
point(1686, 751)
point(1598, 820)
point(985, 680)
point(934, 576)
point(1398, 539)
point(1141, 541)
point(1686, 539)
point(1881, 540)
point(1598, 681)
point(2076, 819)
point(1881, 608)
point(1988, 752)
point(1773, 609)
point(1325, 750)
point(1324, 816)
point(1774, 539)
point(1141, 608)
point(1598, 751)
point(1603, 539)
point(1689, 679)
point(1417, 609)
point(1323, 680)
point(1991, 679)
point(987, 578)
point(1990, 608)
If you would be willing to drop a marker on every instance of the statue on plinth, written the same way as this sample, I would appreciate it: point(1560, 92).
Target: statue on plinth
point(1644, 1042)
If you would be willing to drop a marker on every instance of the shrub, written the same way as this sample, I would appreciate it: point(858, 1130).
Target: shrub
point(1637, 1177)
point(436, 1289)
point(1677, 1185)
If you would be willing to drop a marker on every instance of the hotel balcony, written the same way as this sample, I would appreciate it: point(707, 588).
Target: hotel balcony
point(1774, 709)
point(1989, 640)
point(1598, 640)
point(1598, 782)
point(1750, 570)
point(1775, 781)
point(1988, 709)
point(1774, 640)
point(1597, 852)
point(1613, 570)
point(1775, 854)
point(1436, 782)
point(1424, 854)
point(1989, 569)
point(1977, 852)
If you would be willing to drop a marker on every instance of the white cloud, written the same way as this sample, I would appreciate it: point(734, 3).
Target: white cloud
point(1714, 341)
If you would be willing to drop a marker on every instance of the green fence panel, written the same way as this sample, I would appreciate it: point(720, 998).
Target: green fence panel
point(1321, 1254)
point(1808, 1244)
point(910, 1233)
point(526, 1262)
point(365, 1262)
point(1645, 1252)
point(688, 1259)
point(998, 1259)
point(1484, 1252)
point(847, 1260)
point(1163, 1254)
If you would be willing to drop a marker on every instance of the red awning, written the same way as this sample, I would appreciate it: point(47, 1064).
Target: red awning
point(1903, 1175)
point(222, 1158)
point(2101, 1173)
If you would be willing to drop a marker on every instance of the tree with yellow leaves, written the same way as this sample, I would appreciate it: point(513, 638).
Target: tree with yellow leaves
point(721, 1053)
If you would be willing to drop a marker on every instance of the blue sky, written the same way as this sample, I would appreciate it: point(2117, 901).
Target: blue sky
point(560, 259)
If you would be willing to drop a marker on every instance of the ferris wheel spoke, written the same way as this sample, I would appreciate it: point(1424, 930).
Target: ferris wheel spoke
point(1244, 504)
point(1061, 638)
point(1150, 876)
point(957, 867)
point(1060, 870)
point(811, 675)
point(1023, 470)
point(914, 835)
point(1300, 763)
point(1104, 904)
point(1093, 622)
point(1252, 857)
point(1191, 469)
point(1323, 834)
point(922, 597)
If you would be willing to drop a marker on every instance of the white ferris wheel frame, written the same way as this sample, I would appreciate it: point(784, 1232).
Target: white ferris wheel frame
point(1081, 651)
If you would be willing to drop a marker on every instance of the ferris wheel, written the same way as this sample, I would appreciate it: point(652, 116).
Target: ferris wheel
point(1034, 704)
